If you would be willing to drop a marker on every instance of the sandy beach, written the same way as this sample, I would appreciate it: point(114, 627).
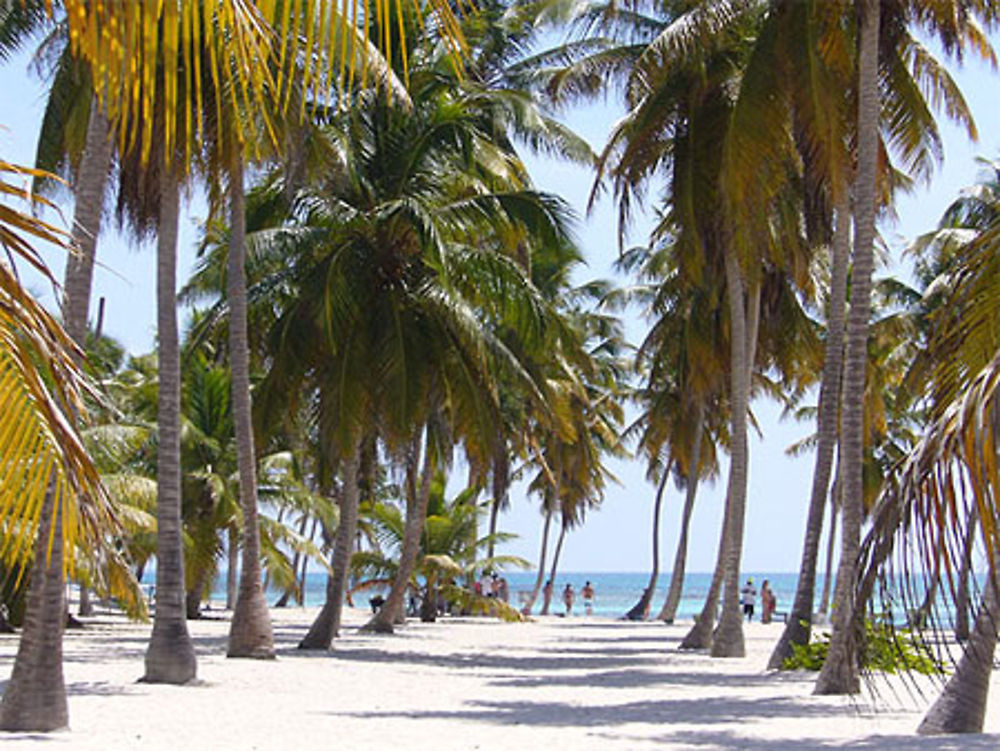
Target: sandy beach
point(580, 683)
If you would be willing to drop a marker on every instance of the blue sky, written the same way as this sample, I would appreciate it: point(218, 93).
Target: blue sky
point(616, 536)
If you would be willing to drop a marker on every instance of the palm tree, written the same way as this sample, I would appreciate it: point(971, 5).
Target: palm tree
point(250, 632)
point(170, 657)
point(386, 266)
point(100, 34)
point(448, 553)
point(949, 467)
point(51, 492)
point(681, 369)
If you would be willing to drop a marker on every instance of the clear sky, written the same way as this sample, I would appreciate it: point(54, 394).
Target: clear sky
point(615, 537)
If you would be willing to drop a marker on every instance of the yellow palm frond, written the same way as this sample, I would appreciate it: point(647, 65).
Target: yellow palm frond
point(41, 452)
point(258, 52)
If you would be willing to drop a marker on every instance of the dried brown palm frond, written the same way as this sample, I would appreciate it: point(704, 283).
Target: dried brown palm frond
point(940, 510)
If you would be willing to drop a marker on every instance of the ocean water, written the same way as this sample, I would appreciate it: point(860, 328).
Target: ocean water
point(615, 593)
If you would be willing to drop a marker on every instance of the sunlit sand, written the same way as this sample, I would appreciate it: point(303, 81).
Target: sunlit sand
point(556, 683)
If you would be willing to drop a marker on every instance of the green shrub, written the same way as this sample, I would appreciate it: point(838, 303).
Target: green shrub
point(885, 649)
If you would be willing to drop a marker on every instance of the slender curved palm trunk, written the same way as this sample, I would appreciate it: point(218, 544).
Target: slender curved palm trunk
point(798, 625)
point(35, 697)
point(700, 635)
point(547, 595)
point(95, 164)
point(831, 542)
point(965, 571)
point(530, 603)
point(728, 639)
point(416, 518)
point(232, 568)
point(640, 611)
point(327, 624)
point(282, 602)
point(300, 596)
point(839, 674)
point(669, 611)
point(250, 633)
point(170, 657)
point(501, 487)
point(961, 707)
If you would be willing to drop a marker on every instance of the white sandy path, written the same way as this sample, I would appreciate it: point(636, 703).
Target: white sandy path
point(581, 684)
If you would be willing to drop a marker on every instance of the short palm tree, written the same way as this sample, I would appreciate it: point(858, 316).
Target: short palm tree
point(449, 554)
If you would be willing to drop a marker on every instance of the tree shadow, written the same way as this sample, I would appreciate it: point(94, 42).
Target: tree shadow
point(639, 678)
point(728, 739)
point(96, 688)
point(460, 660)
point(706, 711)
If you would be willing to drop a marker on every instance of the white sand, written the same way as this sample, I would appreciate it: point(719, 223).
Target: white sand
point(576, 684)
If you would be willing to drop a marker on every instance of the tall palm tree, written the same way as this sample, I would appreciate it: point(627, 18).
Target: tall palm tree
point(950, 466)
point(125, 49)
point(386, 266)
point(170, 656)
point(250, 632)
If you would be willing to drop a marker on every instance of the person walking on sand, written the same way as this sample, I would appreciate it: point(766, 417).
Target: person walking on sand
point(569, 596)
point(588, 598)
point(748, 595)
point(768, 602)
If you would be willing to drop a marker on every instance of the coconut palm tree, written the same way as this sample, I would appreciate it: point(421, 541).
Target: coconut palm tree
point(394, 229)
point(99, 34)
point(949, 467)
point(840, 671)
point(449, 553)
point(52, 500)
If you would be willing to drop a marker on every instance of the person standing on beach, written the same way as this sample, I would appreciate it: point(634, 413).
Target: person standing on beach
point(569, 596)
point(768, 602)
point(748, 596)
point(588, 598)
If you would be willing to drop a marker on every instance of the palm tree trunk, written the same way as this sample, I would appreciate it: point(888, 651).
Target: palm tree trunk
point(728, 639)
point(669, 611)
point(416, 517)
point(300, 598)
point(232, 568)
point(839, 674)
point(530, 603)
point(701, 633)
point(95, 164)
point(282, 601)
point(547, 595)
point(965, 571)
point(501, 487)
point(250, 633)
point(799, 622)
point(824, 600)
point(35, 697)
point(961, 707)
point(192, 599)
point(170, 657)
point(327, 623)
point(640, 611)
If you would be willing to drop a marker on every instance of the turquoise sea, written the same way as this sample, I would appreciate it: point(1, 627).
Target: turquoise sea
point(616, 592)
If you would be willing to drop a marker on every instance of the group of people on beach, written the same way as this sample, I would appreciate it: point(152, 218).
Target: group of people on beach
point(494, 586)
point(569, 596)
point(768, 602)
